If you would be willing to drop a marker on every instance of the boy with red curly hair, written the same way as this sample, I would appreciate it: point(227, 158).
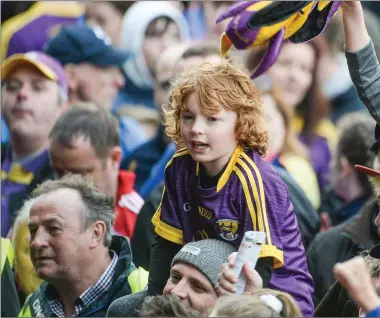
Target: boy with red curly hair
point(217, 185)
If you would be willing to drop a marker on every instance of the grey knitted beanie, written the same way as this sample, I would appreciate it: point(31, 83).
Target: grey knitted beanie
point(207, 256)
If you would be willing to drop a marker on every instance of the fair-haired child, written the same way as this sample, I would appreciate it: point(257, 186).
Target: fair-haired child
point(263, 303)
point(217, 185)
point(361, 57)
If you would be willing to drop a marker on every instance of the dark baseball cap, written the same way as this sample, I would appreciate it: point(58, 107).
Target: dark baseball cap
point(81, 43)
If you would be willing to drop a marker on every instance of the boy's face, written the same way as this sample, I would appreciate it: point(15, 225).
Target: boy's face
point(211, 140)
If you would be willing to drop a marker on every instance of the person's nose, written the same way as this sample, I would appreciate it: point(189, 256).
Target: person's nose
point(38, 240)
point(198, 127)
point(180, 290)
point(23, 93)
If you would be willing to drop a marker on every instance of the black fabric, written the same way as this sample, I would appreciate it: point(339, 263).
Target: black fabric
point(340, 244)
point(207, 182)
point(275, 12)
point(264, 267)
point(163, 252)
point(143, 237)
point(337, 303)
point(10, 306)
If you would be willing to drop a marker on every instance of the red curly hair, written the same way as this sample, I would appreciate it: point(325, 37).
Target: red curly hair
point(216, 86)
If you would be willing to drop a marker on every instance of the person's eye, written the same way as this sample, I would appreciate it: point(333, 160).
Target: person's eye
point(53, 230)
point(212, 119)
point(187, 117)
point(39, 87)
point(175, 278)
point(32, 233)
point(198, 288)
point(12, 86)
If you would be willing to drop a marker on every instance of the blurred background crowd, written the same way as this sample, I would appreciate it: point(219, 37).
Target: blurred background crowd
point(83, 88)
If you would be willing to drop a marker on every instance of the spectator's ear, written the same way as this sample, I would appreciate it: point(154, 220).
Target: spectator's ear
point(72, 79)
point(116, 155)
point(98, 230)
point(347, 168)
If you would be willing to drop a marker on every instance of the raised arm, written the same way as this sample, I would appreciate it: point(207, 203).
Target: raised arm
point(361, 57)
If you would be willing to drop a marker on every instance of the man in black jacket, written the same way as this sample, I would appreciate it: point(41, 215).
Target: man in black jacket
point(340, 244)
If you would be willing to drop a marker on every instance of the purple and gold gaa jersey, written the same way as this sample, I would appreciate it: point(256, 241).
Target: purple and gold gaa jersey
point(249, 196)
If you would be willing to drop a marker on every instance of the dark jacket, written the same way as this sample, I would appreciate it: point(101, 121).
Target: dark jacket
point(340, 244)
point(127, 306)
point(127, 280)
point(143, 237)
point(142, 159)
point(16, 200)
point(10, 305)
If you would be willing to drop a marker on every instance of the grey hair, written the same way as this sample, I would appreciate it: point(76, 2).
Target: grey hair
point(94, 123)
point(98, 206)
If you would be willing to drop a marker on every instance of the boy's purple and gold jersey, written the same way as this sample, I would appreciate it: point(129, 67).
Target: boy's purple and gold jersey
point(249, 196)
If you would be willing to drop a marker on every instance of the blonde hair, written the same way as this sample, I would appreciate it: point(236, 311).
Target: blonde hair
point(256, 305)
point(373, 264)
point(216, 86)
point(290, 307)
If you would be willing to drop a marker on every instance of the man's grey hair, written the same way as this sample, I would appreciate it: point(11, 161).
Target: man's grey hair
point(98, 206)
point(94, 123)
point(354, 142)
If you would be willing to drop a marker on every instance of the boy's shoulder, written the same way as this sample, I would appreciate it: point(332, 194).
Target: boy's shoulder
point(252, 164)
point(181, 158)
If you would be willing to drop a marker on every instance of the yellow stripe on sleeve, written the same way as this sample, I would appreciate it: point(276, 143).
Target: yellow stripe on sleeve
point(256, 197)
point(164, 230)
point(262, 194)
point(169, 232)
point(251, 208)
point(179, 153)
point(273, 251)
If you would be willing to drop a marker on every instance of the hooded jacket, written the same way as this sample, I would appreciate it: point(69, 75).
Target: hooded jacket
point(138, 88)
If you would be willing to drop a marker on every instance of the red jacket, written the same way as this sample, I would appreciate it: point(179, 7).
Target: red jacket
point(128, 204)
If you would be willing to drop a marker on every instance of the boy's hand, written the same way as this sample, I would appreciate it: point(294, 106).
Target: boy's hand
point(227, 279)
point(353, 276)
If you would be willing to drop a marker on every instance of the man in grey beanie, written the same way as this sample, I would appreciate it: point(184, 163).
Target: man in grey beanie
point(193, 278)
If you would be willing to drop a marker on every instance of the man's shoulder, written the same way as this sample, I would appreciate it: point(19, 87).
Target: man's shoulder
point(127, 306)
point(35, 304)
point(330, 238)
